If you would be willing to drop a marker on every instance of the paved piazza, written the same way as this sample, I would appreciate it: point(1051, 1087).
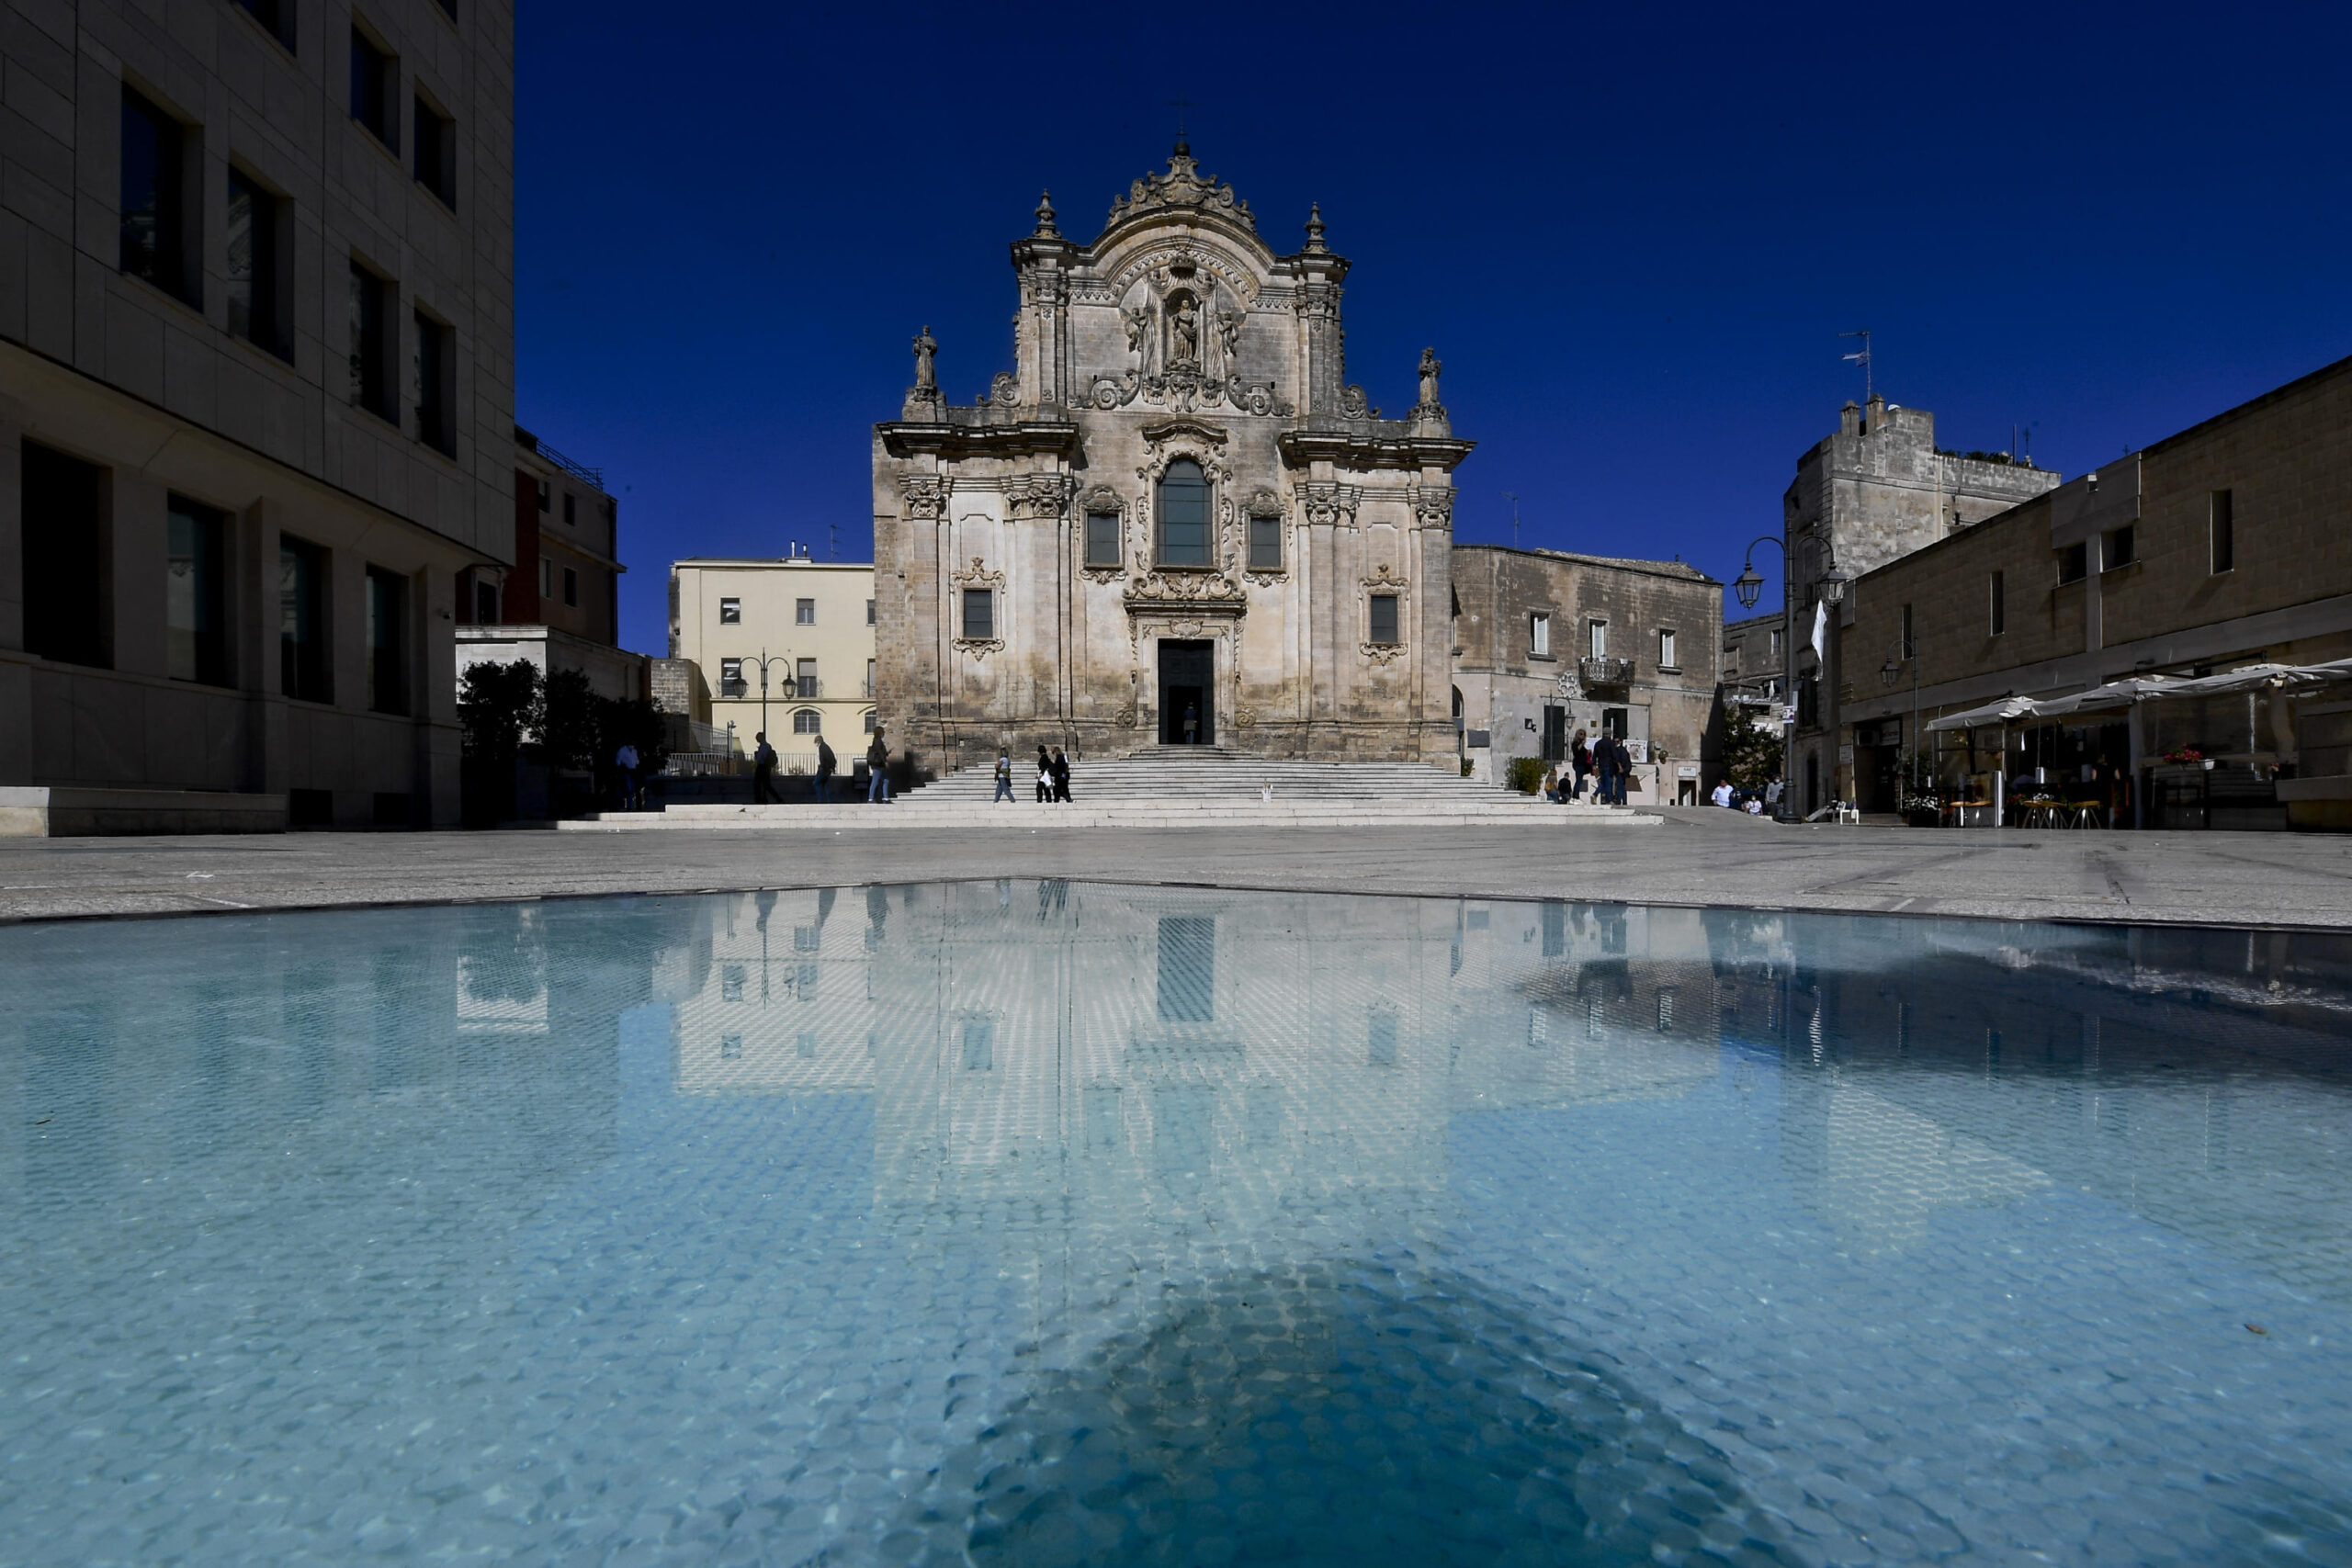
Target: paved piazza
point(1698, 859)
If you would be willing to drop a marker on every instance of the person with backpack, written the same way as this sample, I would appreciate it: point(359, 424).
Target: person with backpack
point(877, 765)
point(1003, 776)
point(763, 772)
point(826, 763)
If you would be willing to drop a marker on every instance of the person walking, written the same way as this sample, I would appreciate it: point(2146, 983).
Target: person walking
point(632, 793)
point(763, 772)
point(1580, 761)
point(1044, 776)
point(1061, 776)
point(878, 764)
point(826, 763)
point(1191, 724)
point(1605, 764)
point(1003, 776)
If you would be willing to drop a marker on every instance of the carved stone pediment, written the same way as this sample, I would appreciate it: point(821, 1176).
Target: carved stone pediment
point(1040, 497)
point(1183, 186)
point(1198, 592)
point(1160, 430)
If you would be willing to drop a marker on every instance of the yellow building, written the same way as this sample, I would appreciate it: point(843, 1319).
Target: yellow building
point(809, 625)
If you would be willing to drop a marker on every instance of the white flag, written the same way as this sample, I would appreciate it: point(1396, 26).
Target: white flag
point(1820, 629)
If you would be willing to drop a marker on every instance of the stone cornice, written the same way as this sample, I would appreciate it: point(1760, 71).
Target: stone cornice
point(1015, 438)
point(1346, 448)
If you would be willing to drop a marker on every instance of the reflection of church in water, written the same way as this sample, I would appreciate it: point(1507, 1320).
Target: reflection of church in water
point(1174, 506)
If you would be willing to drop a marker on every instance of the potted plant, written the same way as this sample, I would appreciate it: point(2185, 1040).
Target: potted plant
point(1921, 809)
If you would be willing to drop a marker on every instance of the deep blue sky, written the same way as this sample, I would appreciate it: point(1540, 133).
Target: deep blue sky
point(1633, 232)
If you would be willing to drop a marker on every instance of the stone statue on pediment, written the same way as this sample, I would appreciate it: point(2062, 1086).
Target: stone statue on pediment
point(1142, 341)
point(1184, 332)
point(926, 379)
point(1431, 367)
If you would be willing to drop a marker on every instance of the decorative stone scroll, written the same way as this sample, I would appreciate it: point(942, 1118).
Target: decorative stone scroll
point(1432, 505)
point(925, 496)
point(1326, 503)
point(1038, 497)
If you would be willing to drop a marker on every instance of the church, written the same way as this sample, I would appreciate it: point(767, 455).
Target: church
point(1173, 521)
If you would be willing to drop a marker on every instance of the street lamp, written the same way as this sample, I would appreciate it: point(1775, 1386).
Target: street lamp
point(1749, 587)
point(764, 661)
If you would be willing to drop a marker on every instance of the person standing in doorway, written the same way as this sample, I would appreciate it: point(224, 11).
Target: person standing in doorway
point(1061, 776)
point(763, 772)
point(1044, 776)
point(1580, 761)
point(1191, 724)
point(878, 764)
point(1003, 777)
point(826, 763)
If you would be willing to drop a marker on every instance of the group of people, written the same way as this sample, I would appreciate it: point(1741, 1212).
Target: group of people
point(1604, 763)
point(1052, 776)
point(877, 765)
point(1755, 801)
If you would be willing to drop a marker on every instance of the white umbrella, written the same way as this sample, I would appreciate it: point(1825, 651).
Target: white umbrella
point(2000, 712)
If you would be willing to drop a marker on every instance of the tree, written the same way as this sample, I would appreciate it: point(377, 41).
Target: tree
point(1751, 753)
point(499, 704)
point(567, 722)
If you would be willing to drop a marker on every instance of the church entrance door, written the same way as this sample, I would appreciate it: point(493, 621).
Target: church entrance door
point(1187, 684)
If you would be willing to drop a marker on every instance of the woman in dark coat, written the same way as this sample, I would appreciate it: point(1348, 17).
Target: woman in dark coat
point(1061, 776)
point(1044, 776)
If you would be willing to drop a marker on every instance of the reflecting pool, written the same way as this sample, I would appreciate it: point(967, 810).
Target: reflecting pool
point(1046, 1223)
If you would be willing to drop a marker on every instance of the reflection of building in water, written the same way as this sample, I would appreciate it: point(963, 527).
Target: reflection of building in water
point(1877, 1171)
point(779, 998)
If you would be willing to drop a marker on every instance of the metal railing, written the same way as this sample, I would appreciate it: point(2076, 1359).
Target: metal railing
point(1603, 670)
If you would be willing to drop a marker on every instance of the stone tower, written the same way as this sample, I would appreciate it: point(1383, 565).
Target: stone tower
point(1173, 516)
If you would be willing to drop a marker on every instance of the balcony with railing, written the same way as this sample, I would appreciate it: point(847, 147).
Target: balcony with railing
point(1603, 670)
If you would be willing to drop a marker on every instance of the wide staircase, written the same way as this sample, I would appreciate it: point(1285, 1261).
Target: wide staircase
point(1165, 786)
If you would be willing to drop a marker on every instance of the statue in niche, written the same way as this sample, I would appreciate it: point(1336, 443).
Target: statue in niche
point(1184, 332)
point(1431, 368)
point(1228, 332)
point(926, 379)
point(1142, 342)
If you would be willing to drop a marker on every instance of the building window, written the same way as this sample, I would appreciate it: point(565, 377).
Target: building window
point(1539, 636)
point(371, 357)
point(869, 612)
point(730, 677)
point(277, 16)
point(1666, 660)
point(2223, 513)
point(437, 398)
point(485, 603)
point(1103, 538)
point(63, 542)
point(868, 720)
point(1596, 638)
point(386, 641)
point(303, 665)
point(546, 577)
point(250, 273)
point(979, 1044)
point(2115, 549)
point(1265, 544)
point(375, 86)
point(1910, 649)
point(571, 587)
point(980, 613)
point(1383, 618)
point(804, 678)
point(1776, 645)
point(570, 510)
point(1380, 1041)
point(435, 136)
point(1999, 607)
point(196, 594)
point(154, 198)
point(546, 495)
point(730, 612)
point(1184, 514)
point(804, 612)
point(2074, 563)
point(807, 721)
point(869, 678)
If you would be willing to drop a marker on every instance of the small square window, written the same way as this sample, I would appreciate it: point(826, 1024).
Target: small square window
point(1666, 660)
point(1597, 638)
point(1265, 544)
point(869, 724)
point(804, 679)
point(1539, 636)
point(980, 613)
point(2116, 549)
point(1383, 618)
point(730, 612)
point(730, 674)
point(2074, 563)
point(804, 612)
point(869, 612)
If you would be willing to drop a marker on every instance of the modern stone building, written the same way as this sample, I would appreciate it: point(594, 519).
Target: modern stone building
point(1547, 643)
point(2222, 546)
point(1174, 503)
point(1877, 489)
point(255, 404)
point(812, 621)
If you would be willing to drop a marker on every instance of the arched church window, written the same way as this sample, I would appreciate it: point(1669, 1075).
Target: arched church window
point(1185, 514)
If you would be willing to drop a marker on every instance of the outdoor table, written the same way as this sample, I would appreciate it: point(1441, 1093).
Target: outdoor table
point(2087, 813)
point(2041, 814)
point(1961, 808)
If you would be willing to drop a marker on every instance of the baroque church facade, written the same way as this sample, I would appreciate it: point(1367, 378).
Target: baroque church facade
point(1174, 519)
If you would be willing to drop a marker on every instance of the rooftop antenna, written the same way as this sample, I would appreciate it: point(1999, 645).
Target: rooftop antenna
point(832, 541)
point(1863, 358)
point(1513, 498)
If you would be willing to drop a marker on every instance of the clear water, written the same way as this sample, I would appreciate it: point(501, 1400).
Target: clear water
point(1040, 1224)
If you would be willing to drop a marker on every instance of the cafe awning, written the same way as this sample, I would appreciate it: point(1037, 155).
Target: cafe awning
point(2122, 693)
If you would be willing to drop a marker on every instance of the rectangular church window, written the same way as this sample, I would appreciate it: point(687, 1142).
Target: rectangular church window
point(1383, 618)
point(980, 613)
point(1103, 538)
point(1265, 544)
point(1185, 514)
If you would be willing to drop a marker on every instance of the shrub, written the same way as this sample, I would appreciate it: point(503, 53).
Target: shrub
point(1526, 774)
